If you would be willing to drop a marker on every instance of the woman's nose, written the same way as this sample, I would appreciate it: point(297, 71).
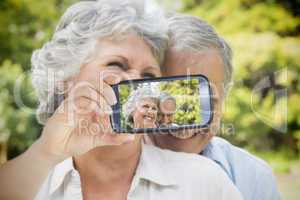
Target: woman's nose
point(151, 110)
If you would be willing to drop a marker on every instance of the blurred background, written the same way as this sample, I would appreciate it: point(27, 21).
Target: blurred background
point(262, 111)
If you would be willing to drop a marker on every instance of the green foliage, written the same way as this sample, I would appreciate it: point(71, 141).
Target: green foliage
point(17, 106)
point(265, 39)
point(185, 92)
point(187, 100)
point(24, 26)
point(234, 16)
point(281, 162)
point(124, 92)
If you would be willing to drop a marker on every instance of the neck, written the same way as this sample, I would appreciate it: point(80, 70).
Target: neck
point(196, 144)
point(109, 166)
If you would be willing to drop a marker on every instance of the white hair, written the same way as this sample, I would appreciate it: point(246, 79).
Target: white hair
point(166, 96)
point(72, 43)
point(135, 97)
point(192, 33)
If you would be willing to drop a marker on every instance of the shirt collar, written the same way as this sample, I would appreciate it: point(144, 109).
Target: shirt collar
point(60, 173)
point(153, 166)
point(215, 152)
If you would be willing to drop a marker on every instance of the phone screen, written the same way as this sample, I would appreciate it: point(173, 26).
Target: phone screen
point(162, 104)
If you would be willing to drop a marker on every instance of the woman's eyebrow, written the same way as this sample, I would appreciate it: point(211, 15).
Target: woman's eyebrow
point(154, 68)
point(122, 57)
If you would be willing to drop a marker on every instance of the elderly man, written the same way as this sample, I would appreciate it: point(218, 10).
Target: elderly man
point(167, 108)
point(197, 49)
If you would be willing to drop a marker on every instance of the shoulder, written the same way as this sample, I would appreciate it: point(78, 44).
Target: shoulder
point(196, 174)
point(189, 160)
point(236, 154)
point(250, 173)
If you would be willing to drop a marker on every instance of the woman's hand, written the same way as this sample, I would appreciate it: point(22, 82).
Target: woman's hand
point(82, 121)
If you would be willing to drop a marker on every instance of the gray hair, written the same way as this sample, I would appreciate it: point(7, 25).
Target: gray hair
point(166, 96)
point(189, 32)
point(135, 96)
point(72, 43)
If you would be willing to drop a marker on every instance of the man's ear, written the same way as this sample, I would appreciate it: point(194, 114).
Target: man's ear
point(226, 92)
point(223, 104)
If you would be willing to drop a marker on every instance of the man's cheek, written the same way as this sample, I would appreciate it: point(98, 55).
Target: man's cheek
point(159, 118)
point(214, 127)
point(215, 124)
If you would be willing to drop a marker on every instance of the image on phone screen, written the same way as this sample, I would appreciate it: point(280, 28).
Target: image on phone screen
point(162, 104)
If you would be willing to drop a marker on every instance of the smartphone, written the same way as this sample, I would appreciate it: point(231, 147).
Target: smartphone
point(164, 104)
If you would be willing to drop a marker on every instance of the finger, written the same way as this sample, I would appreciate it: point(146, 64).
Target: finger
point(98, 83)
point(94, 125)
point(88, 93)
point(108, 134)
point(105, 90)
point(103, 77)
point(108, 93)
point(111, 76)
point(103, 120)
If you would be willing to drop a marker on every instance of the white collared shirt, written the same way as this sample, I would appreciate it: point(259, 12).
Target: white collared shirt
point(161, 175)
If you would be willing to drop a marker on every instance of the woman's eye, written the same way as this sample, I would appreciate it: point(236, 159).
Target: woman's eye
point(149, 75)
point(117, 64)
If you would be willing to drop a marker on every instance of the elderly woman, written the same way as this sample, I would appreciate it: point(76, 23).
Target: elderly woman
point(96, 44)
point(141, 108)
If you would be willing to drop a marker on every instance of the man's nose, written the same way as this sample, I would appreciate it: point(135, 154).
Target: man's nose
point(151, 111)
point(164, 118)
